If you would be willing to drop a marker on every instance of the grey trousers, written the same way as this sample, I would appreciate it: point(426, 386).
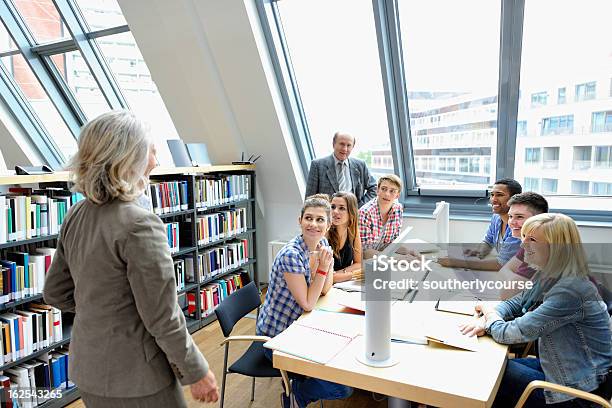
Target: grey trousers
point(169, 397)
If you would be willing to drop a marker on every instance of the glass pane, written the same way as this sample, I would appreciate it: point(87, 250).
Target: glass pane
point(451, 61)
point(40, 103)
point(100, 14)
point(6, 42)
point(134, 79)
point(338, 73)
point(43, 20)
point(572, 124)
point(78, 77)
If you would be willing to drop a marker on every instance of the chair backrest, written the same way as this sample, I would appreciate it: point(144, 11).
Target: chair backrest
point(236, 306)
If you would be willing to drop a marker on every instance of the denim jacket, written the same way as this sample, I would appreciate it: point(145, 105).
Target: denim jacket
point(573, 329)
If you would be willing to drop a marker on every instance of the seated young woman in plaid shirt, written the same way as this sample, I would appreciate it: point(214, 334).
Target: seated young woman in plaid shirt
point(302, 271)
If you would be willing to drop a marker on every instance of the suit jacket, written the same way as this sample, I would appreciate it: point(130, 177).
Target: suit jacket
point(322, 178)
point(113, 268)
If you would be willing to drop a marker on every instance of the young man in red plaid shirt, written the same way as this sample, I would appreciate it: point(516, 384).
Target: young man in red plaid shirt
point(380, 219)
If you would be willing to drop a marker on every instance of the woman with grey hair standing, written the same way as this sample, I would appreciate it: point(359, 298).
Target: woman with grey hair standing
point(113, 269)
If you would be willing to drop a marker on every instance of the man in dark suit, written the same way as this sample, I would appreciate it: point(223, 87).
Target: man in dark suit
point(337, 172)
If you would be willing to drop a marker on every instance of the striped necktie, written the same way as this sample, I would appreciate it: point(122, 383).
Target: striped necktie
point(343, 184)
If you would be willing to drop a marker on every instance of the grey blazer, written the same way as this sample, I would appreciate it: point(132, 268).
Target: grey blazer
point(322, 179)
point(113, 268)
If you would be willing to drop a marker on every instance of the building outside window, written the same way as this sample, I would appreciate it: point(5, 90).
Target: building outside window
point(580, 187)
point(531, 184)
point(549, 186)
point(582, 157)
point(551, 158)
point(558, 125)
point(603, 157)
point(561, 96)
point(521, 128)
point(601, 122)
point(602, 188)
point(539, 99)
point(532, 155)
point(585, 92)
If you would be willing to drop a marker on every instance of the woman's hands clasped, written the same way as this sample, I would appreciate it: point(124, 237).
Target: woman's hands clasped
point(322, 259)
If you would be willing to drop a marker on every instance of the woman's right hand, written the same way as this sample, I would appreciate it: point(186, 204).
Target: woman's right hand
point(475, 327)
point(206, 389)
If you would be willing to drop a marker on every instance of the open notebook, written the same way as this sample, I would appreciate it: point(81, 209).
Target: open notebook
point(316, 337)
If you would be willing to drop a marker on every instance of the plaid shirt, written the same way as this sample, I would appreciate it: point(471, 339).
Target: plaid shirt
point(280, 308)
point(375, 234)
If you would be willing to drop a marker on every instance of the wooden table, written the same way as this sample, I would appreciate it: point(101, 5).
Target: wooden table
point(432, 374)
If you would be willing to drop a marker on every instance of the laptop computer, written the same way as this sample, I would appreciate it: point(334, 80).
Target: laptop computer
point(179, 153)
point(199, 154)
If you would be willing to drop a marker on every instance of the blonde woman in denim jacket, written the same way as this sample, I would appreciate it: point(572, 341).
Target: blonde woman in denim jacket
point(563, 311)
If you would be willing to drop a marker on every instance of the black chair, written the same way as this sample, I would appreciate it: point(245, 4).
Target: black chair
point(253, 363)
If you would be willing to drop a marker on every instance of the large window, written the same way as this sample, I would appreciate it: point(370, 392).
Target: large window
point(456, 117)
point(337, 71)
point(453, 108)
point(67, 81)
point(569, 56)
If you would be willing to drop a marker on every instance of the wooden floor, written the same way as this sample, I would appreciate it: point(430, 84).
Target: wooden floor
point(238, 390)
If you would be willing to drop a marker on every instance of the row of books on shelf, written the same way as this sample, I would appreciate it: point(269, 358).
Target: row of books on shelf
point(23, 274)
point(36, 381)
point(172, 233)
point(24, 332)
point(210, 263)
point(222, 258)
point(221, 225)
point(216, 190)
point(170, 196)
point(214, 293)
point(28, 213)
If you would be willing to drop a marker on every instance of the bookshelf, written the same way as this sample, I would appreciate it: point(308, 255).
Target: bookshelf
point(189, 247)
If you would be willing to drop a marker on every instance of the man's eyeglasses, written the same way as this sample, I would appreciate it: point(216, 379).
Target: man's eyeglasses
point(390, 190)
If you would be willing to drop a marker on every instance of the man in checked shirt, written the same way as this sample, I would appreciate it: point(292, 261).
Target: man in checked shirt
point(380, 219)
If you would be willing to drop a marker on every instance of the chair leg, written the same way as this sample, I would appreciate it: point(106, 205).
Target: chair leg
point(224, 375)
point(253, 390)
